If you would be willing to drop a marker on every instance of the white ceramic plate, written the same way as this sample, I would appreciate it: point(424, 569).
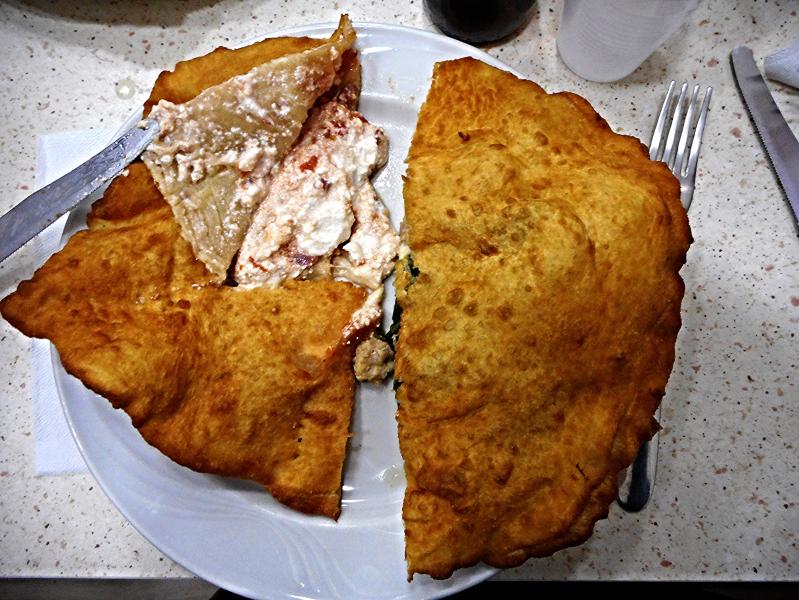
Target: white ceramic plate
point(231, 532)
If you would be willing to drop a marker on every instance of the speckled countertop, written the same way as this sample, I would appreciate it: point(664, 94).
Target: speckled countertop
point(726, 505)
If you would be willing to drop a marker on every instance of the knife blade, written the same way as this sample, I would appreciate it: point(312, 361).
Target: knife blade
point(781, 145)
point(44, 206)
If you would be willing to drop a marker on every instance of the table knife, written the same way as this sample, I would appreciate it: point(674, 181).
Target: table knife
point(781, 145)
point(44, 206)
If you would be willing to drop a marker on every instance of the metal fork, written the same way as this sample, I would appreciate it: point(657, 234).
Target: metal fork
point(676, 116)
point(680, 158)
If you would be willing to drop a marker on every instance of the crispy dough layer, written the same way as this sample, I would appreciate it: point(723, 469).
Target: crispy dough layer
point(190, 77)
point(248, 383)
point(540, 312)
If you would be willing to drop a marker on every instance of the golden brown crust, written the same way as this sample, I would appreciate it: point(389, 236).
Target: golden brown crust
point(254, 384)
point(249, 383)
point(538, 321)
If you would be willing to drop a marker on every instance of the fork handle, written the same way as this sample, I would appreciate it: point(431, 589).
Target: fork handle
point(639, 481)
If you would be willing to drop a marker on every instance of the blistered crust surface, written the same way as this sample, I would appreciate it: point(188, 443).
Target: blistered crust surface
point(540, 312)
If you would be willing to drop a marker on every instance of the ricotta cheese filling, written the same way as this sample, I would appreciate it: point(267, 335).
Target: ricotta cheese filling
point(215, 154)
point(321, 217)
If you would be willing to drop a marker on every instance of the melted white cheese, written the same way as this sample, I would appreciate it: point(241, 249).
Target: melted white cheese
point(320, 198)
point(367, 315)
point(322, 218)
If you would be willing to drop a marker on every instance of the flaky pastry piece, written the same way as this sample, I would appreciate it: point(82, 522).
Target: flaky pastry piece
point(254, 384)
point(540, 305)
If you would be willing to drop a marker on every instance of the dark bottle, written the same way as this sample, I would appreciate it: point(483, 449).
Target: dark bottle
point(479, 21)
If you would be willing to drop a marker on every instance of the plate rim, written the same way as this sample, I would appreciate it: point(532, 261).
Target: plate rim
point(217, 578)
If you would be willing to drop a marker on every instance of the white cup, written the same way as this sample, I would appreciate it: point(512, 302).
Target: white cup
point(606, 40)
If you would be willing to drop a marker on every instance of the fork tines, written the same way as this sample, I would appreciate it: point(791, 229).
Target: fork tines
point(680, 156)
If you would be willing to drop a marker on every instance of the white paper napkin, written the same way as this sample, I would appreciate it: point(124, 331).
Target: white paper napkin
point(55, 451)
point(783, 66)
